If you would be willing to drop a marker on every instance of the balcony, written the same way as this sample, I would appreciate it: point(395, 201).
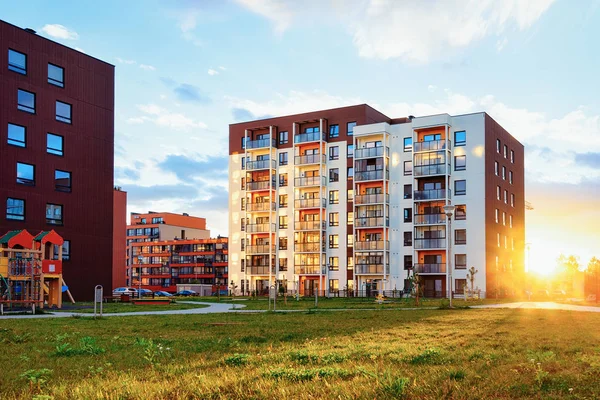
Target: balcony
point(260, 249)
point(431, 145)
point(371, 222)
point(260, 185)
point(260, 269)
point(434, 169)
point(309, 137)
point(264, 206)
point(429, 219)
point(371, 175)
point(309, 225)
point(371, 269)
point(260, 144)
point(369, 152)
point(260, 228)
point(371, 198)
point(309, 247)
point(260, 164)
point(310, 181)
point(310, 159)
point(309, 203)
point(372, 245)
point(430, 268)
point(422, 244)
point(309, 269)
point(432, 194)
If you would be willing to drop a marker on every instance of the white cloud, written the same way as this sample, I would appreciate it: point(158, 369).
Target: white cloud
point(147, 67)
point(59, 32)
point(278, 12)
point(222, 68)
point(213, 72)
point(431, 88)
point(165, 118)
point(123, 61)
point(500, 44)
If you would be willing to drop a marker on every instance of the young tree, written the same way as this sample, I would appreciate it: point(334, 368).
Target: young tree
point(233, 288)
point(471, 277)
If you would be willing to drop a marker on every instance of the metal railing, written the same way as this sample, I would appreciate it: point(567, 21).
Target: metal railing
point(368, 152)
point(260, 249)
point(260, 164)
point(420, 244)
point(430, 268)
point(371, 198)
point(431, 145)
point(432, 194)
point(371, 175)
point(309, 247)
point(259, 228)
point(310, 181)
point(260, 143)
point(310, 159)
point(371, 269)
point(309, 225)
point(264, 206)
point(371, 222)
point(259, 269)
point(424, 219)
point(309, 137)
point(309, 203)
point(372, 245)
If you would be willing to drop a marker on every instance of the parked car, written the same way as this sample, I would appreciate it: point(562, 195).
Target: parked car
point(124, 290)
point(161, 293)
point(146, 292)
point(187, 293)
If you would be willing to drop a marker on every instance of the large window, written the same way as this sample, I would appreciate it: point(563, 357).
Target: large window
point(334, 242)
point(334, 263)
point(25, 174)
point(66, 250)
point(63, 112)
point(283, 180)
point(334, 219)
point(56, 75)
point(350, 173)
point(350, 151)
point(26, 101)
point(334, 153)
point(283, 243)
point(334, 197)
point(460, 261)
point(334, 174)
point(54, 144)
point(17, 62)
point(460, 188)
point(283, 158)
point(350, 218)
point(283, 222)
point(17, 135)
point(460, 285)
point(283, 264)
point(408, 264)
point(334, 131)
point(408, 167)
point(408, 144)
point(460, 236)
point(283, 137)
point(408, 191)
point(62, 181)
point(54, 214)
point(408, 238)
point(283, 200)
point(15, 209)
point(408, 215)
point(460, 163)
point(460, 138)
point(350, 128)
point(460, 212)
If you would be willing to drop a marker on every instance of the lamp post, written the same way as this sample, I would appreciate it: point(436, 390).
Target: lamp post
point(449, 210)
point(140, 276)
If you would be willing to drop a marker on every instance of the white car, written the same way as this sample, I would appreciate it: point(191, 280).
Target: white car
point(124, 290)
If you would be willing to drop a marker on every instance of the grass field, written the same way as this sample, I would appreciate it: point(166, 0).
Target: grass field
point(425, 354)
point(85, 307)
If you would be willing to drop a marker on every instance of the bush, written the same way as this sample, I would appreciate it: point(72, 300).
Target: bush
point(237, 360)
point(431, 356)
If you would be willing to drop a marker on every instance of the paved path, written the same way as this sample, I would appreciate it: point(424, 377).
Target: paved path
point(238, 308)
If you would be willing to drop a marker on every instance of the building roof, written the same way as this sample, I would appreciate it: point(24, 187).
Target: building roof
point(49, 237)
point(21, 238)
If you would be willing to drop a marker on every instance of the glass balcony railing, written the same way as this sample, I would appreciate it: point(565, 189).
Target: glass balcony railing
point(309, 137)
point(368, 152)
point(309, 225)
point(371, 198)
point(435, 169)
point(309, 203)
point(371, 175)
point(431, 145)
point(430, 268)
point(260, 143)
point(310, 181)
point(265, 206)
point(309, 269)
point(259, 269)
point(372, 245)
point(260, 185)
point(432, 194)
point(310, 159)
point(371, 222)
point(260, 228)
point(421, 244)
point(260, 249)
point(309, 247)
point(260, 164)
point(371, 269)
point(429, 219)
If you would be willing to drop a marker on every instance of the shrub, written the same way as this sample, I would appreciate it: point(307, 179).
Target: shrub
point(457, 375)
point(237, 360)
point(431, 356)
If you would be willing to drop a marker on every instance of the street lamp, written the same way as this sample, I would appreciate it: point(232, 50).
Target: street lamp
point(140, 276)
point(449, 210)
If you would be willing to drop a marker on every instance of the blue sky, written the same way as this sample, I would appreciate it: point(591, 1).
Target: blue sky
point(186, 69)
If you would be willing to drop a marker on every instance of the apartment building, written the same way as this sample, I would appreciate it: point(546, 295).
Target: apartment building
point(351, 202)
point(57, 147)
point(157, 227)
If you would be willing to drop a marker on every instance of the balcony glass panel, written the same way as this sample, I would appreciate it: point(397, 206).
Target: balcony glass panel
point(433, 194)
point(423, 219)
point(430, 268)
point(371, 269)
point(260, 143)
point(310, 159)
point(260, 164)
point(431, 145)
point(310, 181)
point(260, 269)
point(260, 249)
point(309, 247)
point(264, 206)
point(257, 228)
point(309, 269)
point(368, 152)
point(371, 198)
point(372, 245)
point(371, 222)
point(436, 169)
point(260, 185)
point(309, 203)
point(420, 244)
point(309, 137)
point(309, 225)
point(371, 175)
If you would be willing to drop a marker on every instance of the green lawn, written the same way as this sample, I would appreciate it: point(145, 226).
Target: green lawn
point(425, 354)
point(85, 307)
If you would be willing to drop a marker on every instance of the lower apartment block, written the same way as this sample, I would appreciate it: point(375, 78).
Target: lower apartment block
point(350, 202)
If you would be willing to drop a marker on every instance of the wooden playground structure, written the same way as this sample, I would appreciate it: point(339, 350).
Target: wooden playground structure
point(31, 270)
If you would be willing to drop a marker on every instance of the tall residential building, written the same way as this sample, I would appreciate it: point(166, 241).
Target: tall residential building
point(57, 147)
point(349, 201)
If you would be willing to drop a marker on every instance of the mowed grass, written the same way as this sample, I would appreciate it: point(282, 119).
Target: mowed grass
point(425, 354)
point(88, 307)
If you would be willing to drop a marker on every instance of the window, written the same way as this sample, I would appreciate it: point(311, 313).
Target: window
point(243, 160)
point(16, 135)
point(510, 221)
point(408, 215)
point(496, 168)
point(283, 200)
point(460, 285)
point(512, 157)
point(25, 174)
point(510, 177)
point(283, 222)
point(505, 151)
point(503, 218)
point(460, 213)
point(66, 250)
point(243, 203)
point(283, 243)
point(498, 145)
point(408, 191)
point(334, 263)
point(506, 197)
point(408, 166)
point(408, 144)
point(460, 261)
point(334, 285)
point(408, 262)
point(504, 173)
point(350, 195)
point(56, 75)
point(243, 184)
point(350, 151)
point(498, 238)
point(283, 137)
point(54, 144)
point(497, 215)
point(283, 179)
point(54, 214)
point(334, 174)
point(460, 236)
point(283, 265)
point(243, 142)
point(512, 199)
point(26, 101)
point(460, 163)
point(62, 182)
point(460, 138)
point(408, 238)
point(334, 197)
point(334, 131)
point(350, 173)
point(243, 245)
point(15, 209)
point(350, 240)
point(63, 112)
point(334, 242)
point(498, 193)
point(334, 219)
point(460, 188)
point(334, 153)
point(17, 62)
point(283, 158)
point(350, 217)
point(350, 128)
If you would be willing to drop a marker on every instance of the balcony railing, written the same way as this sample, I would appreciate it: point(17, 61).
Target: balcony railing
point(432, 194)
point(260, 185)
point(264, 206)
point(309, 137)
point(420, 244)
point(310, 159)
point(371, 269)
point(260, 228)
point(371, 198)
point(371, 222)
point(309, 181)
point(309, 225)
point(260, 269)
point(435, 169)
point(260, 164)
point(260, 249)
point(430, 268)
point(371, 175)
point(309, 203)
point(309, 269)
point(431, 145)
point(429, 219)
point(369, 152)
point(260, 143)
point(309, 247)
point(372, 245)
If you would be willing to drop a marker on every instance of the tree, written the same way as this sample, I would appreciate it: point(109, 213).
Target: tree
point(415, 286)
point(471, 277)
point(233, 288)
